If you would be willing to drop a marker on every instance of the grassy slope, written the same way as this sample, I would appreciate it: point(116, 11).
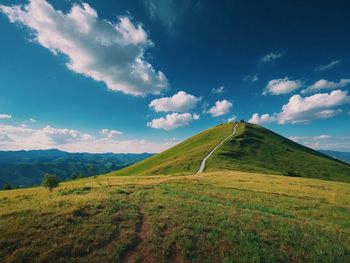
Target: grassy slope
point(214, 217)
point(260, 150)
point(253, 149)
point(183, 158)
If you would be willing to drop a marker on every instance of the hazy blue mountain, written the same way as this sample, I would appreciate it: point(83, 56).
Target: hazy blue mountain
point(26, 168)
point(344, 156)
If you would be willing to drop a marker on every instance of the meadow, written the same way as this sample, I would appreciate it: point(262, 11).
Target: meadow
point(213, 217)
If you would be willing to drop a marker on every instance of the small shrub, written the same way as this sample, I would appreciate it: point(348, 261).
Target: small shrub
point(7, 186)
point(292, 173)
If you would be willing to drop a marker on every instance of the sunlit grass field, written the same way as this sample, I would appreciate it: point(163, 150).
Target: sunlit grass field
point(213, 217)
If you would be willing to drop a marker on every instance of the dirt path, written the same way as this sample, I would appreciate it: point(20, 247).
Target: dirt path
point(141, 252)
point(202, 167)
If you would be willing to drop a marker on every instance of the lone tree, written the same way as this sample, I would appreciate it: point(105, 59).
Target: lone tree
point(50, 181)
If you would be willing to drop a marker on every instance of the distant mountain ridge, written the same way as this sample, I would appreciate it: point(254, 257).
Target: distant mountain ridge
point(26, 168)
point(344, 156)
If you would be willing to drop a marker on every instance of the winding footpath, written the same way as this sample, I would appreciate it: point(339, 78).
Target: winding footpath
point(202, 167)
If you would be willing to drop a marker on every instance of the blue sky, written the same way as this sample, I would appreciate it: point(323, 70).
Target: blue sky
point(136, 76)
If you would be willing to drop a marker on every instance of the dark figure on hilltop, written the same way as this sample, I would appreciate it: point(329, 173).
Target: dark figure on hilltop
point(242, 121)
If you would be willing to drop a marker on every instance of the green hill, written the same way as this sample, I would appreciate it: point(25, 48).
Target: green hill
point(184, 158)
point(252, 149)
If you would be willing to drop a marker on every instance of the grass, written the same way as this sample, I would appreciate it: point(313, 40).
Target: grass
point(214, 217)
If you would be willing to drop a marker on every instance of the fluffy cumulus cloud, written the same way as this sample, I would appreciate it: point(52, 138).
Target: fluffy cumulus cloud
point(102, 50)
point(218, 90)
point(5, 116)
point(270, 57)
point(263, 119)
point(328, 66)
point(110, 133)
point(179, 102)
point(317, 106)
point(281, 86)
point(173, 121)
point(23, 138)
point(60, 136)
point(220, 108)
point(307, 109)
point(326, 84)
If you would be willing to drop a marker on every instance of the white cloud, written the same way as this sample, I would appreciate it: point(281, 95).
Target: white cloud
point(263, 119)
point(4, 138)
point(251, 78)
point(110, 133)
point(317, 106)
point(173, 121)
point(232, 119)
point(180, 102)
point(325, 84)
point(220, 108)
point(105, 51)
point(5, 116)
point(60, 136)
point(71, 140)
point(307, 109)
point(22, 136)
point(32, 120)
point(328, 66)
point(323, 136)
point(281, 86)
point(271, 56)
point(218, 90)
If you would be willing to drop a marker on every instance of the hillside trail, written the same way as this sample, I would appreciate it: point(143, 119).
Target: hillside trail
point(141, 252)
point(202, 167)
